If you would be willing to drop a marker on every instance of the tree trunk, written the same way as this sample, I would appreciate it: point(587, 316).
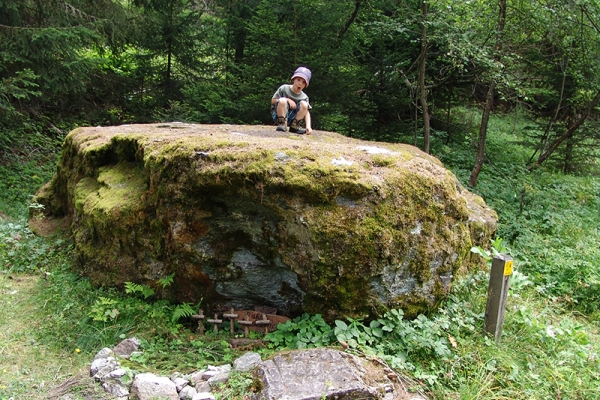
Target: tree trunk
point(357, 4)
point(423, 90)
point(568, 133)
point(489, 101)
point(546, 136)
point(448, 117)
point(568, 159)
point(169, 54)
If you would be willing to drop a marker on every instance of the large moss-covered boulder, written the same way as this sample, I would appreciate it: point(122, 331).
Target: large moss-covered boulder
point(245, 216)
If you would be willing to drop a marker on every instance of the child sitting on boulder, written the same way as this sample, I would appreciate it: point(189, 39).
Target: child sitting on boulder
point(290, 105)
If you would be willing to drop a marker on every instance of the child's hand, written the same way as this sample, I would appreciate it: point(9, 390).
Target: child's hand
point(292, 104)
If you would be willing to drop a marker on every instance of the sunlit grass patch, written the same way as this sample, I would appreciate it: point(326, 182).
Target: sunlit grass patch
point(28, 367)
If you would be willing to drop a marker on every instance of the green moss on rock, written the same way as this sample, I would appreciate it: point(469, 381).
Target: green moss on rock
point(245, 216)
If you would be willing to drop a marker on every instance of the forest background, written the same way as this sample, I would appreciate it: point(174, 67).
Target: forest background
point(382, 70)
point(504, 92)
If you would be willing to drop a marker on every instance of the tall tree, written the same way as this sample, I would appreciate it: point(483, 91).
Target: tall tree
point(489, 100)
point(573, 51)
point(49, 55)
point(169, 45)
point(422, 88)
point(569, 133)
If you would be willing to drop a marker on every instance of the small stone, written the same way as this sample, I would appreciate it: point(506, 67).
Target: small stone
point(115, 389)
point(148, 386)
point(203, 387)
point(203, 396)
point(246, 362)
point(388, 388)
point(196, 377)
point(126, 347)
point(104, 365)
point(180, 383)
point(219, 379)
point(187, 393)
point(209, 374)
point(118, 373)
point(224, 368)
point(104, 353)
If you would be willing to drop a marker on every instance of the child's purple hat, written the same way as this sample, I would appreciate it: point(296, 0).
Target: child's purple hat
point(303, 73)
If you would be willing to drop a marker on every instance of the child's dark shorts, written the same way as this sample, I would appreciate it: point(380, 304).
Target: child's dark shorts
point(291, 114)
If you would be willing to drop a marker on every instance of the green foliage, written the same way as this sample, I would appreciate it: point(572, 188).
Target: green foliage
point(410, 345)
point(19, 87)
point(157, 354)
point(238, 386)
point(166, 281)
point(104, 309)
point(22, 251)
point(183, 310)
point(22, 176)
point(496, 249)
point(161, 308)
point(547, 219)
point(132, 288)
point(302, 332)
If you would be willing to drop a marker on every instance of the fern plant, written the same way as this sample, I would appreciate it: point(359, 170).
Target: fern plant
point(183, 310)
point(135, 288)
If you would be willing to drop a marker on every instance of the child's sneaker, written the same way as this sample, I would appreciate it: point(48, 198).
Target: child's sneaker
point(295, 127)
point(281, 124)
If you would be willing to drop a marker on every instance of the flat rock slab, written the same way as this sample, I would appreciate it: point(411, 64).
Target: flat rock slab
point(321, 374)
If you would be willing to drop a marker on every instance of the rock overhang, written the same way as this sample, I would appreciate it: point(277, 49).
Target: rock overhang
point(246, 216)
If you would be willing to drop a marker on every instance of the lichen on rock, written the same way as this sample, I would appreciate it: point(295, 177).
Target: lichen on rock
point(245, 216)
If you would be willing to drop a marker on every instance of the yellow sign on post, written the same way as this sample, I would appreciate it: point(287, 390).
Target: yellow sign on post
point(508, 267)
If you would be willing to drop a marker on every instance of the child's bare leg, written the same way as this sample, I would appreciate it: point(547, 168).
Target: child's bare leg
point(302, 110)
point(282, 107)
point(295, 126)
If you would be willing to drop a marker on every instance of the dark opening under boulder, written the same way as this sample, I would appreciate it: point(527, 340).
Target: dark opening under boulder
point(244, 216)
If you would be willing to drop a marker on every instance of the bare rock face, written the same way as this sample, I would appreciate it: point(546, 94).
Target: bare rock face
point(245, 216)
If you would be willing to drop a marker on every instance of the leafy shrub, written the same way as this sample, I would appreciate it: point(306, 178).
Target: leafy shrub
point(22, 251)
point(303, 332)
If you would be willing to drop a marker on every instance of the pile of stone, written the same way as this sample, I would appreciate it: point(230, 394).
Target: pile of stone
point(126, 384)
point(295, 375)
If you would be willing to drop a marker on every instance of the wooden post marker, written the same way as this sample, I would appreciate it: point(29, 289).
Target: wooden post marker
point(246, 323)
point(502, 266)
point(200, 318)
point(232, 317)
point(263, 322)
point(215, 321)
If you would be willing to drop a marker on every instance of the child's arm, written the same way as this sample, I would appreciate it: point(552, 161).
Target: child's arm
point(308, 122)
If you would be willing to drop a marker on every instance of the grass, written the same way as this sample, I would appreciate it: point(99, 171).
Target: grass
point(550, 348)
point(29, 368)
